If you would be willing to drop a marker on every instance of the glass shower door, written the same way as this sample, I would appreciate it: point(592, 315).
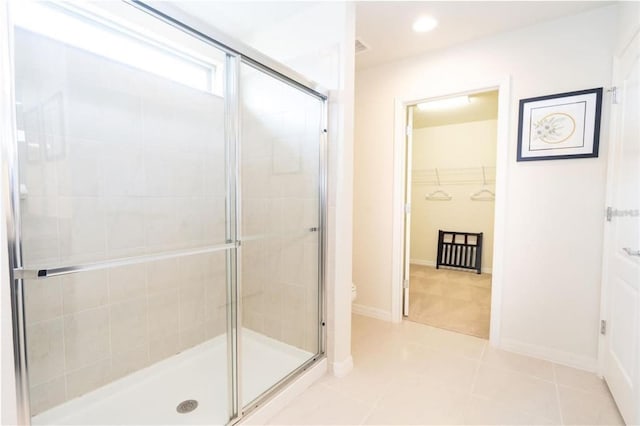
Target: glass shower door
point(148, 228)
point(125, 207)
point(280, 179)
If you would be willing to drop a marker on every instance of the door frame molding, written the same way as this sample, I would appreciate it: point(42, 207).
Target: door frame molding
point(606, 241)
point(503, 85)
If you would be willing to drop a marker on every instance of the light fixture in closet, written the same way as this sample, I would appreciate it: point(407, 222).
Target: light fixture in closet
point(447, 103)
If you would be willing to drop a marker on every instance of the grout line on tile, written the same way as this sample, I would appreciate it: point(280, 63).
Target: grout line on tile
point(373, 408)
point(555, 385)
point(64, 357)
point(347, 394)
point(147, 318)
point(373, 405)
point(513, 370)
point(99, 360)
point(475, 374)
point(521, 373)
point(108, 308)
point(532, 413)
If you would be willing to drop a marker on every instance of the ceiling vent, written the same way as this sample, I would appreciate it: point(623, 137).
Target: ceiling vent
point(361, 47)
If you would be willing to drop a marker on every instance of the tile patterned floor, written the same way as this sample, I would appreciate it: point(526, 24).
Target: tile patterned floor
point(454, 300)
point(414, 374)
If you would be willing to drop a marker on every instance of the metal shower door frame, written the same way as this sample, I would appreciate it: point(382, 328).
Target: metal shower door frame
point(236, 53)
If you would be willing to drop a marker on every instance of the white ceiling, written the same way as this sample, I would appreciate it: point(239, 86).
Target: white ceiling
point(385, 26)
point(241, 19)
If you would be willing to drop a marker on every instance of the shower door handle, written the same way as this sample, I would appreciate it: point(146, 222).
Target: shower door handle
point(35, 273)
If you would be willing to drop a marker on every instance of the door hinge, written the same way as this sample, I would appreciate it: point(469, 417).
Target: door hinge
point(609, 214)
point(405, 284)
point(603, 327)
point(408, 131)
point(407, 208)
point(614, 95)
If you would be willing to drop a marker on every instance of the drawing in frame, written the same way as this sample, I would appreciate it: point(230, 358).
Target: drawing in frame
point(561, 126)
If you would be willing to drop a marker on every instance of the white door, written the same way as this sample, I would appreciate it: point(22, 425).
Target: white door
point(621, 291)
point(407, 214)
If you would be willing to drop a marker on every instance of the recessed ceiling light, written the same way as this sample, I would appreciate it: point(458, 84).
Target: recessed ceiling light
point(444, 103)
point(424, 24)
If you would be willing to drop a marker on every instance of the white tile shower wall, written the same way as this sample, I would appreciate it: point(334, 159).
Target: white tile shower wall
point(115, 163)
point(280, 163)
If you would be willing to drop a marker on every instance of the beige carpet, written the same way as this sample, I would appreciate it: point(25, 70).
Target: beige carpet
point(454, 300)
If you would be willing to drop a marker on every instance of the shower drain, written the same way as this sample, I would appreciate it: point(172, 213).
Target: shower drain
point(187, 406)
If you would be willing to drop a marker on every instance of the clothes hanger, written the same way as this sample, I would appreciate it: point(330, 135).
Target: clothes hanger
point(484, 194)
point(439, 194)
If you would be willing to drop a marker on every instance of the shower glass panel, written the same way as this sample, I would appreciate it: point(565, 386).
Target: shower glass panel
point(115, 160)
point(168, 200)
point(126, 345)
point(122, 155)
point(280, 166)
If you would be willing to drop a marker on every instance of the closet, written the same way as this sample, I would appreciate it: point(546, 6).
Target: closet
point(452, 189)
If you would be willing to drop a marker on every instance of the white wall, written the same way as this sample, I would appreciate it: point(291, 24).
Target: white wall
point(628, 21)
point(450, 148)
point(553, 244)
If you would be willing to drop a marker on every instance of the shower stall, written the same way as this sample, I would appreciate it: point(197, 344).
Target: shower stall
point(165, 211)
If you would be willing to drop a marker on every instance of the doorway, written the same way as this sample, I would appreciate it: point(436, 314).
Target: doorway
point(450, 188)
point(399, 267)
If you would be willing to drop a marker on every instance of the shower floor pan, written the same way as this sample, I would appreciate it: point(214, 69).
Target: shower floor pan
point(151, 395)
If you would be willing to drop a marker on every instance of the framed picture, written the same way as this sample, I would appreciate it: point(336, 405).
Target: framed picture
point(554, 127)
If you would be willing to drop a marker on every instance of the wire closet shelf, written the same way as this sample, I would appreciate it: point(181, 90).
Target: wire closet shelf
point(482, 175)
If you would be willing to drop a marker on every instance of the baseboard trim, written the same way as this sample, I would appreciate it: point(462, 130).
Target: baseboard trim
point(559, 357)
point(422, 262)
point(432, 263)
point(368, 311)
point(342, 368)
point(263, 414)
